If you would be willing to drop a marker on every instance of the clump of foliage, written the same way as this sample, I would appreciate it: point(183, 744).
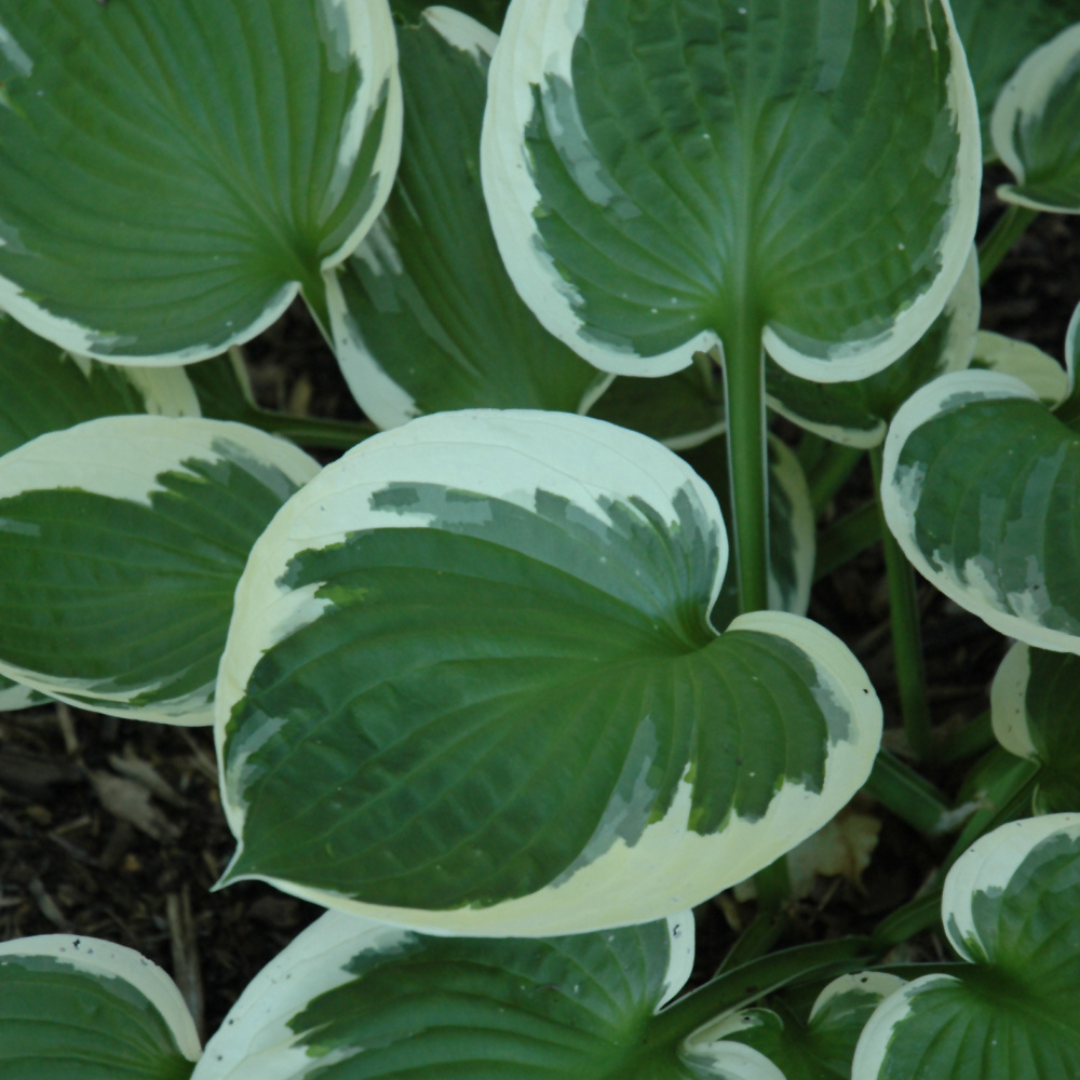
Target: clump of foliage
point(487, 686)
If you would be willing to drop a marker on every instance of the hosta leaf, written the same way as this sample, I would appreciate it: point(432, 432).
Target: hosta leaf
point(664, 175)
point(1034, 703)
point(980, 485)
point(858, 413)
point(45, 389)
point(1009, 906)
point(998, 35)
point(1035, 131)
point(681, 411)
point(792, 539)
point(355, 998)
point(425, 317)
point(173, 173)
point(820, 1049)
point(471, 684)
point(85, 1009)
point(1024, 361)
point(488, 12)
point(122, 540)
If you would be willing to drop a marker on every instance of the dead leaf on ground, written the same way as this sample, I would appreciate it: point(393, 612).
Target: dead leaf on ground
point(130, 801)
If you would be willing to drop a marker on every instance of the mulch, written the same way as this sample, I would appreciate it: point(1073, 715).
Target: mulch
point(114, 828)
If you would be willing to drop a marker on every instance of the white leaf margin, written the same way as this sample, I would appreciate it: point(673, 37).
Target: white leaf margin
point(988, 866)
point(901, 491)
point(384, 401)
point(537, 41)
point(1021, 104)
point(1026, 362)
point(671, 867)
point(1008, 702)
point(255, 1042)
point(963, 309)
point(872, 1050)
point(104, 960)
point(372, 45)
point(121, 458)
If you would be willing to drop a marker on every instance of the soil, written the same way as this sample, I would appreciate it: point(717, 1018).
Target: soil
point(114, 828)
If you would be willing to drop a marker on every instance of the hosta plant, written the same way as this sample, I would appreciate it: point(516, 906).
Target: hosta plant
point(511, 685)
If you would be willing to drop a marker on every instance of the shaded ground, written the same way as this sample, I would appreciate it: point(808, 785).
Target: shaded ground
point(114, 828)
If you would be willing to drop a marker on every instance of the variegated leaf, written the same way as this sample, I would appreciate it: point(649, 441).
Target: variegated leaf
point(122, 540)
point(471, 684)
point(173, 173)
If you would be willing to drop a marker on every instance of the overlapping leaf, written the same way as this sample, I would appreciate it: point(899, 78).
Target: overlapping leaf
point(681, 411)
point(858, 413)
point(998, 35)
point(980, 485)
point(1009, 907)
point(471, 684)
point(85, 1009)
point(351, 997)
point(781, 1046)
point(1034, 705)
point(1035, 131)
point(792, 539)
point(664, 175)
point(172, 174)
point(122, 540)
point(45, 389)
point(425, 317)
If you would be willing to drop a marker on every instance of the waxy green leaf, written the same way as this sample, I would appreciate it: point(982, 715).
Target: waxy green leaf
point(681, 411)
point(1024, 361)
point(998, 35)
point(471, 684)
point(424, 315)
point(354, 998)
point(1035, 130)
point(1009, 907)
point(43, 388)
point(122, 540)
point(820, 1049)
point(666, 175)
point(1034, 702)
point(858, 413)
point(980, 484)
point(173, 173)
point(85, 1009)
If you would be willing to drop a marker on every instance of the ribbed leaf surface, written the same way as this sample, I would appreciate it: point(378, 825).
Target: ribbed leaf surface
point(84, 1009)
point(858, 413)
point(172, 173)
point(425, 317)
point(471, 683)
point(980, 489)
point(43, 388)
point(1010, 907)
point(664, 174)
point(122, 540)
point(352, 999)
point(998, 35)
